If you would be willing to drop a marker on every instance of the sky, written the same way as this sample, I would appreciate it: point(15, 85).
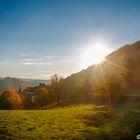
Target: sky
point(39, 38)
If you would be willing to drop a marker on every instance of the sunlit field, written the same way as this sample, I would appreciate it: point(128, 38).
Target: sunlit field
point(71, 123)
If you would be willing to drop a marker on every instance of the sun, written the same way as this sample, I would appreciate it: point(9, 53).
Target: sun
point(94, 54)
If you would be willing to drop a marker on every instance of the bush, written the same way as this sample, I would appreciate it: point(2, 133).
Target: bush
point(10, 99)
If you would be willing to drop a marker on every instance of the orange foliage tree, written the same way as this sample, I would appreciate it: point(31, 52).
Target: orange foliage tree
point(10, 99)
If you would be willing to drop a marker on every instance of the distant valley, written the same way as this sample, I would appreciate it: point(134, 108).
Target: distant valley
point(15, 83)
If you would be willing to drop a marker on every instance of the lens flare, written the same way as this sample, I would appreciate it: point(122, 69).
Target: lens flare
point(94, 54)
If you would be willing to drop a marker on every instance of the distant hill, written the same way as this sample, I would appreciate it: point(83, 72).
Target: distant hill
point(35, 82)
point(122, 64)
point(127, 58)
point(15, 83)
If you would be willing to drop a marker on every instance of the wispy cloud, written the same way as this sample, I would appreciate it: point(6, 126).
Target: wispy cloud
point(37, 66)
point(37, 63)
point(44, 60)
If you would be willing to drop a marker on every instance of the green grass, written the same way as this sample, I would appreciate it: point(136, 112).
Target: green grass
point(79, 122)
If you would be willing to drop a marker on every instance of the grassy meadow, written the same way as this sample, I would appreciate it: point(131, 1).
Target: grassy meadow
point(85, 121)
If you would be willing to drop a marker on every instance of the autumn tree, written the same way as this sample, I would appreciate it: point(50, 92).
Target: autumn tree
point(10, 99)
point(100, 92)
point(42, 98)
point(56, 87)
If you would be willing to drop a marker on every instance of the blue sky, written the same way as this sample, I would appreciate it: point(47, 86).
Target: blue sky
point(39, 38)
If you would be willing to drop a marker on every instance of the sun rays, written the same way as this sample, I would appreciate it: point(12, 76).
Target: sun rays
point(94, 54)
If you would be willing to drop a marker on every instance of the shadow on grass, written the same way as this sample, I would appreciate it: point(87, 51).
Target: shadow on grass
point(122, 123)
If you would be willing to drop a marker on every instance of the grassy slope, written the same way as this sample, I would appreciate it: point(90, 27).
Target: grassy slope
point(71, 122)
